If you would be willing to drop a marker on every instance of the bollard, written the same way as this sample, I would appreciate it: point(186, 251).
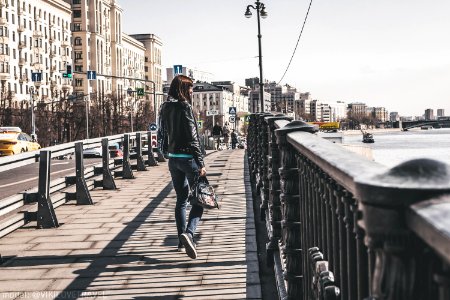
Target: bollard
point(108, 180)
point(140, 160)
point(45, 215)
point(127, 173)
point(82, 193)
point(151, 161)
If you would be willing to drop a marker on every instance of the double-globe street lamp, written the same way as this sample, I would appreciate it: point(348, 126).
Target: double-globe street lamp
point(260, 12)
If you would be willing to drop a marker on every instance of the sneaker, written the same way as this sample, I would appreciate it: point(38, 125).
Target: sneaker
point(180, 247)
point(189, 245)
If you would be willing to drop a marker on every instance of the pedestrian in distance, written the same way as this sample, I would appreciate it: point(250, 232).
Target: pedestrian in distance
point(178, 137)
point(226, 135)
point(234, 139)
point(217, 133)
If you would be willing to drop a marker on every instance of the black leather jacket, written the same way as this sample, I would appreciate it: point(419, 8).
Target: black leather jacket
point(177, 130)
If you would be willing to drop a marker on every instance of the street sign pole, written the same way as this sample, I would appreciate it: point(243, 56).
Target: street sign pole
point(86, 103)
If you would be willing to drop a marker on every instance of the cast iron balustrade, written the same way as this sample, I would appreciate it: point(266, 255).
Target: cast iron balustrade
point(343, 227)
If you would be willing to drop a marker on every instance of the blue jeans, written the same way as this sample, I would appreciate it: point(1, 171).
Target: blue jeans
point(183, 172)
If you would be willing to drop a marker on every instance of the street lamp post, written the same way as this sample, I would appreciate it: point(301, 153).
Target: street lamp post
point(86, 102)
point(260, 12)
point(33, 124)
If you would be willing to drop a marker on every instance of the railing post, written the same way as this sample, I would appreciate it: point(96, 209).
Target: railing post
point(82, 192)
point(127, 172)
point(385, 199)
point(108, 182)
point(140, 161)
point(46, 217)
point(151, 161)
point(252, 146)
point(262, 160)
point(274, 213)
point(290, 204)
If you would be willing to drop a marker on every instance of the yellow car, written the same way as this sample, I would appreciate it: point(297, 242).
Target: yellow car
point(13, 141)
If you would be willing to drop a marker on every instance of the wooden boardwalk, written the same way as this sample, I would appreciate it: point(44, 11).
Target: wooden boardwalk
point(124, 246)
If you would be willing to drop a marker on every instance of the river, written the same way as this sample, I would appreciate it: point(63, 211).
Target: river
point(393, 147)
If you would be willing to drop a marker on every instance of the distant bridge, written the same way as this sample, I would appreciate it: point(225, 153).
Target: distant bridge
point(435, 123)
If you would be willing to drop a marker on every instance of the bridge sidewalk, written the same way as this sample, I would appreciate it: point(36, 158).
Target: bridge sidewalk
point(124, 246)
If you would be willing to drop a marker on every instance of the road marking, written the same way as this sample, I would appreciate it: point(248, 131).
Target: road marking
point(37, 177)
point(61, 163)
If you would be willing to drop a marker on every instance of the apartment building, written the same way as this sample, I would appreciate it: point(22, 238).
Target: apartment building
point(152, 65)
point(218, 97)
point(122, 62)
point(34, 38)
point(195, 75)
point(240, 100)
point(357, 109)
point(302, 107)
point(97, 45)
point(381, 114)
point(429, 114)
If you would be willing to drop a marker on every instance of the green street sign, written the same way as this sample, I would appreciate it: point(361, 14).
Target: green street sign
point(140, 91)
point(200, 124)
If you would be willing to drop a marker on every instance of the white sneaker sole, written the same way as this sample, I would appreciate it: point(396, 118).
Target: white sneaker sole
point(188, 246)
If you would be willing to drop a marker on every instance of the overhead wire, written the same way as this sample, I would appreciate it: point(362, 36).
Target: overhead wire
point(298, 40)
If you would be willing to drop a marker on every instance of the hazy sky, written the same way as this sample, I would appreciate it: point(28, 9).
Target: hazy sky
point(391, 53)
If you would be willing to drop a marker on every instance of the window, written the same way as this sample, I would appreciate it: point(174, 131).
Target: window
point(76, 2)
point(77, 13)
point(78, 68)
point(78, 82)
point(78, 41)
point(78, 55)
point(76, 27)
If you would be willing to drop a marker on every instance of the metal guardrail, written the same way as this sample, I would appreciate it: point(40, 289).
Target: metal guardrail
point(19, 209)
point(343, 227)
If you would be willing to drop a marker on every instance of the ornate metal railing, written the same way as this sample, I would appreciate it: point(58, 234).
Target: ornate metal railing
point(343, 227)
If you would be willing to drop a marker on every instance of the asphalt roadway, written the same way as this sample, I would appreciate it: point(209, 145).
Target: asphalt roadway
point(24, 178)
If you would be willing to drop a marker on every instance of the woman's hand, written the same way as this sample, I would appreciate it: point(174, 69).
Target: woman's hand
point(202, 172)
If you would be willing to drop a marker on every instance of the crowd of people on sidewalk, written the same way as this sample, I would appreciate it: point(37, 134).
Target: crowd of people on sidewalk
point(222, 137)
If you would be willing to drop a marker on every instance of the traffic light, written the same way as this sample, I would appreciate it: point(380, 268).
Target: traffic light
point(68, 71)
point(140, 91)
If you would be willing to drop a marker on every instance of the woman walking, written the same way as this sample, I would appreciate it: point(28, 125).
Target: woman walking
point(178, 138)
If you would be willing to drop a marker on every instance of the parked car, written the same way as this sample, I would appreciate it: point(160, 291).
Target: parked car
point(114, 151)
point(93, 152)
point(13, 141)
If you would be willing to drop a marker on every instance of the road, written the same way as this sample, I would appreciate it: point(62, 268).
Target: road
point(24, 178)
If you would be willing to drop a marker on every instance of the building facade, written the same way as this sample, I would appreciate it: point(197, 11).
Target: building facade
point(195, 75)
point(440, 112)
point(34, 38)
point(429, 114)
point(153, 65)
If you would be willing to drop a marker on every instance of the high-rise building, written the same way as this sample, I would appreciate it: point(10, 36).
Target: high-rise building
point(429, 114)
point(440, 112)
point(153, 64)
point(34, 38)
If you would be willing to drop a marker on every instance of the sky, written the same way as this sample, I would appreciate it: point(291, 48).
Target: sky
point(387, 53)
